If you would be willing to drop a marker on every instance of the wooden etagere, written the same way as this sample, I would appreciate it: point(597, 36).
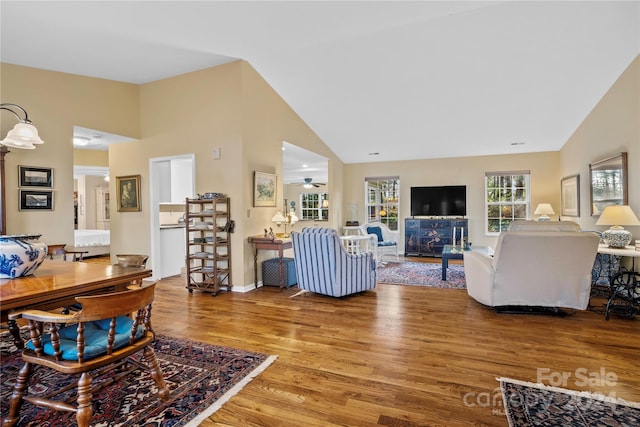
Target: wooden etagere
point(208, 244)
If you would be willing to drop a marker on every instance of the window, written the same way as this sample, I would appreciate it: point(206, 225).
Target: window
point(314, 206)
point(506, 199)
point(381, 200)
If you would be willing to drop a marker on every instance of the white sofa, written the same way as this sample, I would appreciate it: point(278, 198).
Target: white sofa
point(535, 264)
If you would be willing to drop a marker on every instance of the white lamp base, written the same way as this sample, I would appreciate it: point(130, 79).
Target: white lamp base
point(616, 237)
point(543, 218)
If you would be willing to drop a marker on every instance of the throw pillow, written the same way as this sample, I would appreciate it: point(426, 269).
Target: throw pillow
point(377, 231)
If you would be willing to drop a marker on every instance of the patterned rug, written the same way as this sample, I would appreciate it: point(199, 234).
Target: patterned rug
point(529, 404)
point(421, 274)
point(200, 377)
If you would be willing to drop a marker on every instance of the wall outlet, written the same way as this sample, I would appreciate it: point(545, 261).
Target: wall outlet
point(216, 153)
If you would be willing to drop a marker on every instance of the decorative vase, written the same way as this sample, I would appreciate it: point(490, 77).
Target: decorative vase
point(19, 256)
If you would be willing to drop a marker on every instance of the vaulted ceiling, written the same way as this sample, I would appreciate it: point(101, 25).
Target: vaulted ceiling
point(405, 80)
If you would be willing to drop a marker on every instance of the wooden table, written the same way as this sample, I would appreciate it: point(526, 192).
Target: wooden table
point(272, 244)
point(56, 284)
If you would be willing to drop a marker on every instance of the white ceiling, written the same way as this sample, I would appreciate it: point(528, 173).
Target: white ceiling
point(406, 80)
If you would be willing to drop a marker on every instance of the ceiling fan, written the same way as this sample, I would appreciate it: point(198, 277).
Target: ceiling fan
point(308, 183)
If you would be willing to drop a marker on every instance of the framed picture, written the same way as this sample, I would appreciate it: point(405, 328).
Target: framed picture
point(264, 189)
point(570, 195)
point(128, 193)
point(31, 176)
point(41, 200)
point(608, 183)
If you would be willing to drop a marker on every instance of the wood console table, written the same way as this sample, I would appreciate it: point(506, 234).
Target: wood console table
point(57, 283)
point(271, 244)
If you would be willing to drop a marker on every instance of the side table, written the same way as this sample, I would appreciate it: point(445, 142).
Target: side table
point(624, 286)
point(456, 252)
point(267, 243)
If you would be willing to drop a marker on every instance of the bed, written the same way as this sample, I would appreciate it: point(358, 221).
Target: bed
point(95, 242)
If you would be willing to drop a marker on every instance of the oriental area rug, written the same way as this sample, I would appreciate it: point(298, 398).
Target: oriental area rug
point(529, 404)
point(200, 378)
point(421, 274)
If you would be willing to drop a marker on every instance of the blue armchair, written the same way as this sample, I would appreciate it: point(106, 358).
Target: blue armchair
point(324, 266)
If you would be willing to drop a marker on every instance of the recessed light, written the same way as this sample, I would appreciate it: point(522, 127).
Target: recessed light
point(518, 143)
point(374, 154)
point(305, 166)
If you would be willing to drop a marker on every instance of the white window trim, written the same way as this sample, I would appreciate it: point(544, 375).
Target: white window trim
point(527, 202)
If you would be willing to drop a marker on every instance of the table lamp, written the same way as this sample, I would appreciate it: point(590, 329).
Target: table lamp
point(544, 210)
point(616, 216)
point(289, 218)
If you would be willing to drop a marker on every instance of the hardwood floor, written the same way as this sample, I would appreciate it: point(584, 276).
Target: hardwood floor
point(394, 356)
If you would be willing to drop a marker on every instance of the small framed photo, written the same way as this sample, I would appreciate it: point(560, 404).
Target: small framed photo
point(570, 195)
point(128, 193)
point(41, 200)
point(264, 189)
point(31, 176)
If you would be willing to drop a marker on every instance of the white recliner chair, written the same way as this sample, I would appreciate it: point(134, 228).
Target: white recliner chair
point(535, 264)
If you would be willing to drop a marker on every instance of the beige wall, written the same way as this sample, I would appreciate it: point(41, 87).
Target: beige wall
point(228, 107)
point(55, 103)
point(613, 126)
point(91, 158)
point(233, 108)
point(469, 171)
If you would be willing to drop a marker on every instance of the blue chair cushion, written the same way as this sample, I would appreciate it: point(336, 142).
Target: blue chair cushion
point(377, 231)
point(95, 334)
point(386, 243)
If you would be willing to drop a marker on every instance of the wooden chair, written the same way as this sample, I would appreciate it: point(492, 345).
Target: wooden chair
point(132, 260)
point(101, 336)
point(59, 250)
point(54, 250)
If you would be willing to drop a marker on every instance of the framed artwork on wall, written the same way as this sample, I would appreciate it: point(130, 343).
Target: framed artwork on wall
point(570, 195)
point(128, 193)
point(40, 200)
point(31, 176)
point(264, 189)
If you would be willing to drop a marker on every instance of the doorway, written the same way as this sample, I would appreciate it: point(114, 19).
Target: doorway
point(171, 181)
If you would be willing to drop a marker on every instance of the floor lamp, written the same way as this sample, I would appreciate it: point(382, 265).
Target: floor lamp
point(24, 135)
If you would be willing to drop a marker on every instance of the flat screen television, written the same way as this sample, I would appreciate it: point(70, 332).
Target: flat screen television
point(449, 200)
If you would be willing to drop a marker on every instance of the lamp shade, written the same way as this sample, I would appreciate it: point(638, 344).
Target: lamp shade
point(23, 135)
point(544, 210)
point(278, 218)
point(293, 218)
point(617, 216)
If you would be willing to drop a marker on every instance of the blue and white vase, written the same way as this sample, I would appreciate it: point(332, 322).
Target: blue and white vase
point(20, 257)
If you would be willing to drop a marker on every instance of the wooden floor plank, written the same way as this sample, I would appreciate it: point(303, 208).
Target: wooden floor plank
point(396, 355)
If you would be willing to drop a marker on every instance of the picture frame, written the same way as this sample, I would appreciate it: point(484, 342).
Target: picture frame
point(128, 193)
point(570, 195)
point(264, 189)
point(608, 183)
point(32, 176)
point(36, 200)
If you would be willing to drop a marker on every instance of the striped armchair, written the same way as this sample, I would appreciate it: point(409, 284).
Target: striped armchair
point(324, 266)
